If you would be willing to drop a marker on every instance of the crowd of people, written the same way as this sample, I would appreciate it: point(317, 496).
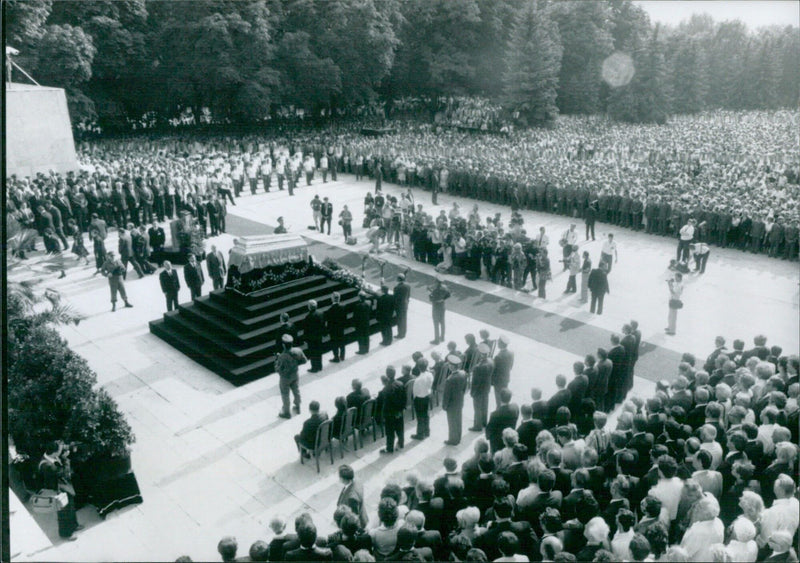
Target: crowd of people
point(734, 175)
point(705, 469)
point(481, 114)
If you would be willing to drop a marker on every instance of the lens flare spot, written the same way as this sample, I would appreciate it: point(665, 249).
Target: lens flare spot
point(618, 69)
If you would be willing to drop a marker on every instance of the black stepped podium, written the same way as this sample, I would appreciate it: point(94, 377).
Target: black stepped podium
point(237, 336)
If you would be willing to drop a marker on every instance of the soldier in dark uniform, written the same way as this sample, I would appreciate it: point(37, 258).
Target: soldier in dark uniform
point(651, 214)
point(625, 210)
point(637, 208)
point(757, 235)
point(724, 226)
point(664, 213)
point(590, 217)
point(775, 239)
point(313, 332)
point(335, 320)
point(790, 235)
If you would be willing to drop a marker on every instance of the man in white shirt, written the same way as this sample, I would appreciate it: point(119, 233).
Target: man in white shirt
point(669, 487)
point(266, 172)
point(686, 237)
point(608, 252)
point(422, 386)
point(784, 514)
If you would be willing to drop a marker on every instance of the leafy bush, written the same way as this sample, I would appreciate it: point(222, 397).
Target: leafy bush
point(51, 396)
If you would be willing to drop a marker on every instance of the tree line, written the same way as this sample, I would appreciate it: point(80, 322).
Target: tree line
point(243, 60)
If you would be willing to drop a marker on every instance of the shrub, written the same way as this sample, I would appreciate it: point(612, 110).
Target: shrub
point(51, 396)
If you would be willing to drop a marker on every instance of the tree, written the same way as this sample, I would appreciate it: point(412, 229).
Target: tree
point(689, 76)
point(644, 98)
point(25, 21)
point(307, 80)
point(584, 28)
point(64, 58)
point(534, 63)
point(216, 55)
point(438, 38)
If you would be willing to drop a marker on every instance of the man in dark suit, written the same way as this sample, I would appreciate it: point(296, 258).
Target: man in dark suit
point(393, 399)
point(628, 342)
point(308, 435)
point(384, 312)
point(642, 442)
point(170, 284)
point(157, 237)
point(352, 495)
point(598, 286)
point(561, 398)
point(358, 396)
point(577, 388)
point(308, 551)
point(405, 549)
point(125, 247)
point(327, 213)
point(58, 221)
point(504, 417)
point(528, 542)
point(619, 371)
point(431, 539)
point(402, 293)
point(193, 276)
point(580, 501)
point(313, 333)
point(215, 263)
point(455, 387)
point(362, 315)
point(335, 320)
point(503, 362)
point(528, 428)
point(481, 385)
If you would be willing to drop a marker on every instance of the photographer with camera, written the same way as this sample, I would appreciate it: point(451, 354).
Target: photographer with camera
point(55, 477)
point(675, 291)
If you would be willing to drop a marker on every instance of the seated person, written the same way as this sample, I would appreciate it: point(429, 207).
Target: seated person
point(308, 435)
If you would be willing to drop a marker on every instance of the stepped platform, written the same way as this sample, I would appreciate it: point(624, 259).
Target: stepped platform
point(238, 336)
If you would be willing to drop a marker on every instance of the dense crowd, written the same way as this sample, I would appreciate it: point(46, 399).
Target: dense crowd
point(705, 469)
point(736, 174)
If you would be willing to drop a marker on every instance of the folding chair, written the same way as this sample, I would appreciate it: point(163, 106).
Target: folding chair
point(322, 443)
point(348, 430)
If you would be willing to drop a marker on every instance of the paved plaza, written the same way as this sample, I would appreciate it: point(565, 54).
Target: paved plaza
point(214, 460)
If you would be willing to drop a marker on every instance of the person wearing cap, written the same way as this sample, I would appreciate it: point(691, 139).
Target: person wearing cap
point(287, 326)
point(314, 331)
point(114, 270)
point(402, 294)
point(281, 228)
point(421, 390)
point(384, 311)
point(480, 387)
point(455, 388)
point(438, 295)
point(286, 365)
point(503, 362)
point(335, 320)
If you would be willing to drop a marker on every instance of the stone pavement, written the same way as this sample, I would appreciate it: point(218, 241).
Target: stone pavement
point(214, 460)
